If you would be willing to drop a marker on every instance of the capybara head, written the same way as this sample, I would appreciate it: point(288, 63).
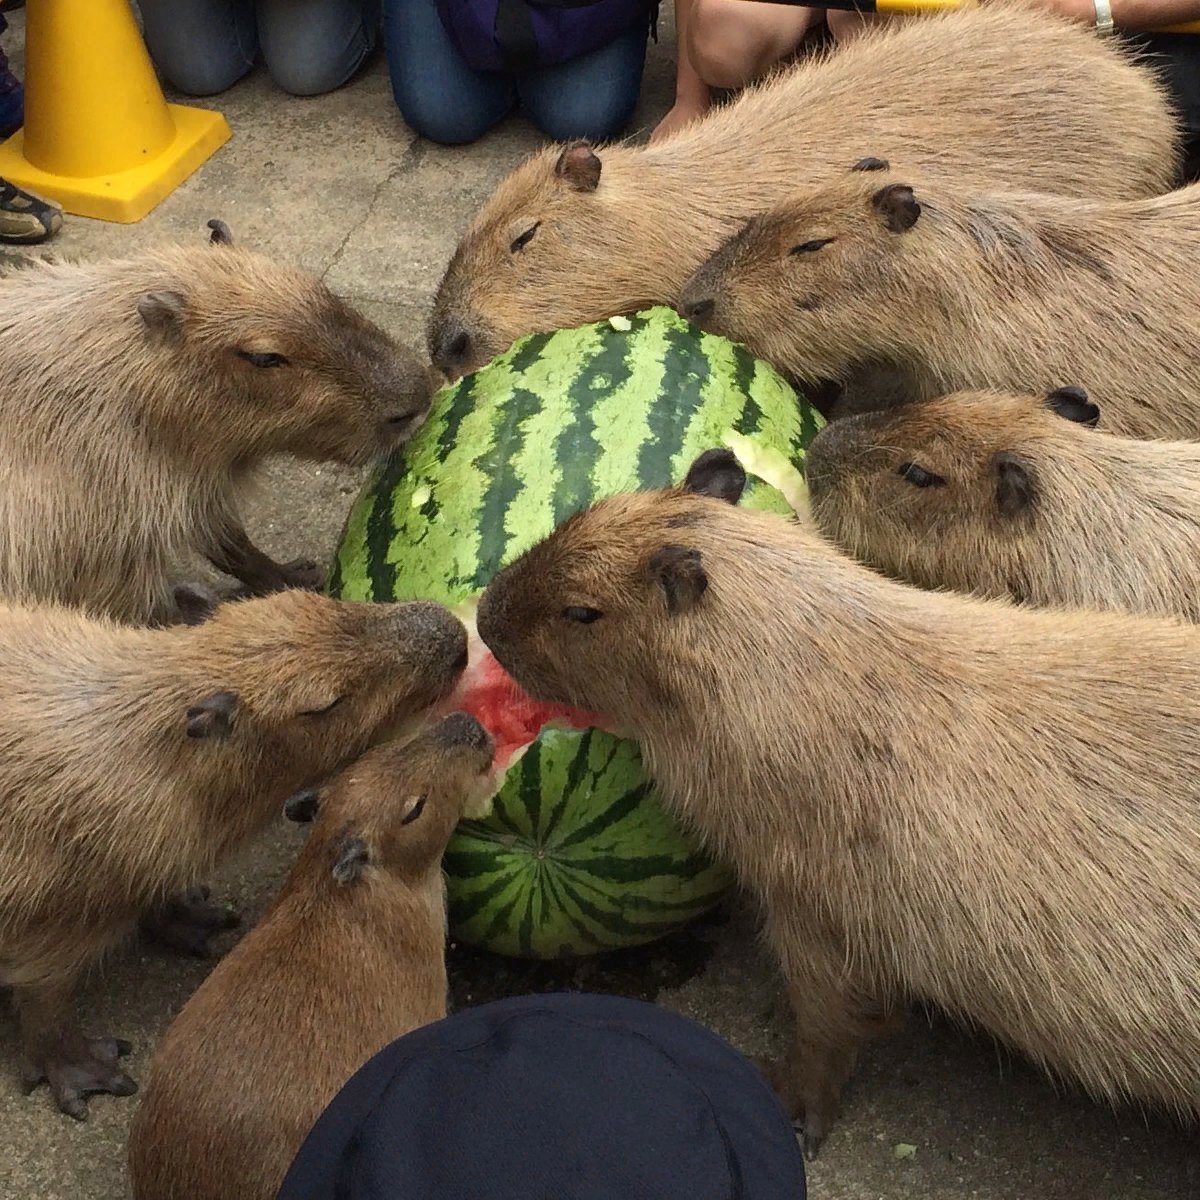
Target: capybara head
point(270, 353)
point(933, 491)
point(395, 808)
point(300, 677)
point(506, 277)
point(613, 595)
point(809, 285)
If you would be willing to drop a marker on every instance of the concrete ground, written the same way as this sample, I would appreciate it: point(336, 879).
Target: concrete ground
point(339, 185)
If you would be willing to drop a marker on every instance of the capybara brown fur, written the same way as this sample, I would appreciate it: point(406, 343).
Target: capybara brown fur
point(350, 956)
point(133, 760)
point(1004, 96)
point(997, 494)
point(139, 396)
point(934, 797)
point(955, 290)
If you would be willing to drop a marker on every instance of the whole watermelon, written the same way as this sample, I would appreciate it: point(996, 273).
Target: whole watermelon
point(577, 855)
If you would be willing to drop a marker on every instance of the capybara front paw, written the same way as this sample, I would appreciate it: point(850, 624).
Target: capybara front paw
point(813, 1109)
point(187, 921)
point(75, 1068)
point(303, 573)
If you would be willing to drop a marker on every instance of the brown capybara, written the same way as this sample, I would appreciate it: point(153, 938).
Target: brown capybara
point(349, 957)
point(997, 494)
point(133, 760)
point(934, 797)
point(953, 290)
point(1005, 96)
point(139, 397)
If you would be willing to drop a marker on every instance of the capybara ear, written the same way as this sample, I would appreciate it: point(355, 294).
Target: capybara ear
point(162, 313)
point(871, 164)
point(1016, 489)
point(302, 807)
point(898, 206)
point(680, 574)
point(716, 473)
point(579, 165)
point(353, 855)
point(1074, 404)
point(213, 716)
point(220, 235)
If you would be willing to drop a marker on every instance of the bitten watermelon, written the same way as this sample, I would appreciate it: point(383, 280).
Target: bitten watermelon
point(577, 855)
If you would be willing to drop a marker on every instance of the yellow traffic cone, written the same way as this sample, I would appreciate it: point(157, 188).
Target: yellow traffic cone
point(99, 136)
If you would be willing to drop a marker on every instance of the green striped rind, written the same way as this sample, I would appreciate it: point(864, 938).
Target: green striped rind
point(578, 854)
point(574, 857)
point(551, 426)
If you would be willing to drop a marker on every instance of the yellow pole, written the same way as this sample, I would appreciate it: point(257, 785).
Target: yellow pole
point(924, 6)
point(911, 7)
point(99, 136)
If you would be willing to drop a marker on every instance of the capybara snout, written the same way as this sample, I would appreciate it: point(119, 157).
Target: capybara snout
point(434, 636)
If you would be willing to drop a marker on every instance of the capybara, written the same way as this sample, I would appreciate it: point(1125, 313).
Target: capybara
point(1007, 96)
point(350, 956)
point(953, 290)
point(132, 760)
point(138, 398)
point(997, 494)
point(934, 797)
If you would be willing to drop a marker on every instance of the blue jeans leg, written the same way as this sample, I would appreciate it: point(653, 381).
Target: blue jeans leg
point(314, 46)
point(591, 97)
point(438, 94)
point(200, 47)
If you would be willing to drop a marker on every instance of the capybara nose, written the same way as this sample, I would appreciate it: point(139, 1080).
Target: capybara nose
point(452, 349)
point(461, 729)
point(698, 311)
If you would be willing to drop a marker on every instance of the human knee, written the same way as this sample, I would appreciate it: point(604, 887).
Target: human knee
point(593, 118)
point(434, 116)
point(721, 46)
point(309, 54)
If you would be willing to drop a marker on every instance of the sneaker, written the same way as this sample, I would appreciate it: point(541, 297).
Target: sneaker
point(26, 218)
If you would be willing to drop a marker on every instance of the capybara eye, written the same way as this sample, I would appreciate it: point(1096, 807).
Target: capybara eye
point(414, 812)
point(263, 360)
point(918, 476)
point(585, 616)
point(809, 247)
point(320, 712)
point(519, 243)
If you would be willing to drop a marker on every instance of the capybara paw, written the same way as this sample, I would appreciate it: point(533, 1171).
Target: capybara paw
point(194, 603)
point(303, 573)
point(187, 921)
point(813, 1115)
point(78, 1067)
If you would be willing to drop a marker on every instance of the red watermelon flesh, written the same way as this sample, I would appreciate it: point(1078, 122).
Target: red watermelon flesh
point(513, 718)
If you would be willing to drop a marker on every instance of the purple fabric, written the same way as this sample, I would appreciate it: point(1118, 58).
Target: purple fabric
point(561, 33)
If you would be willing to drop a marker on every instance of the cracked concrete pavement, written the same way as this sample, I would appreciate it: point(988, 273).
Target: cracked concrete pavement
point(339, 185)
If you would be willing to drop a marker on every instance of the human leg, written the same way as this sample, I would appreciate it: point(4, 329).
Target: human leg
point(438, 94)
point(733, 42)
point(844, 25)
point(314, 46)
point(590, 97)
point(200, 47)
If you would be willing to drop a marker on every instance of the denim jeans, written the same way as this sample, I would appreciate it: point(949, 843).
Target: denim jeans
point(202, 47)
point(447, 101)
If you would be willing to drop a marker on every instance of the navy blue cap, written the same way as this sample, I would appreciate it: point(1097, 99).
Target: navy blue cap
point(558, 1097)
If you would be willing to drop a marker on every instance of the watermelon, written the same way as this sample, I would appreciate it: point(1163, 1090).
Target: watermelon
point(577, 854)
